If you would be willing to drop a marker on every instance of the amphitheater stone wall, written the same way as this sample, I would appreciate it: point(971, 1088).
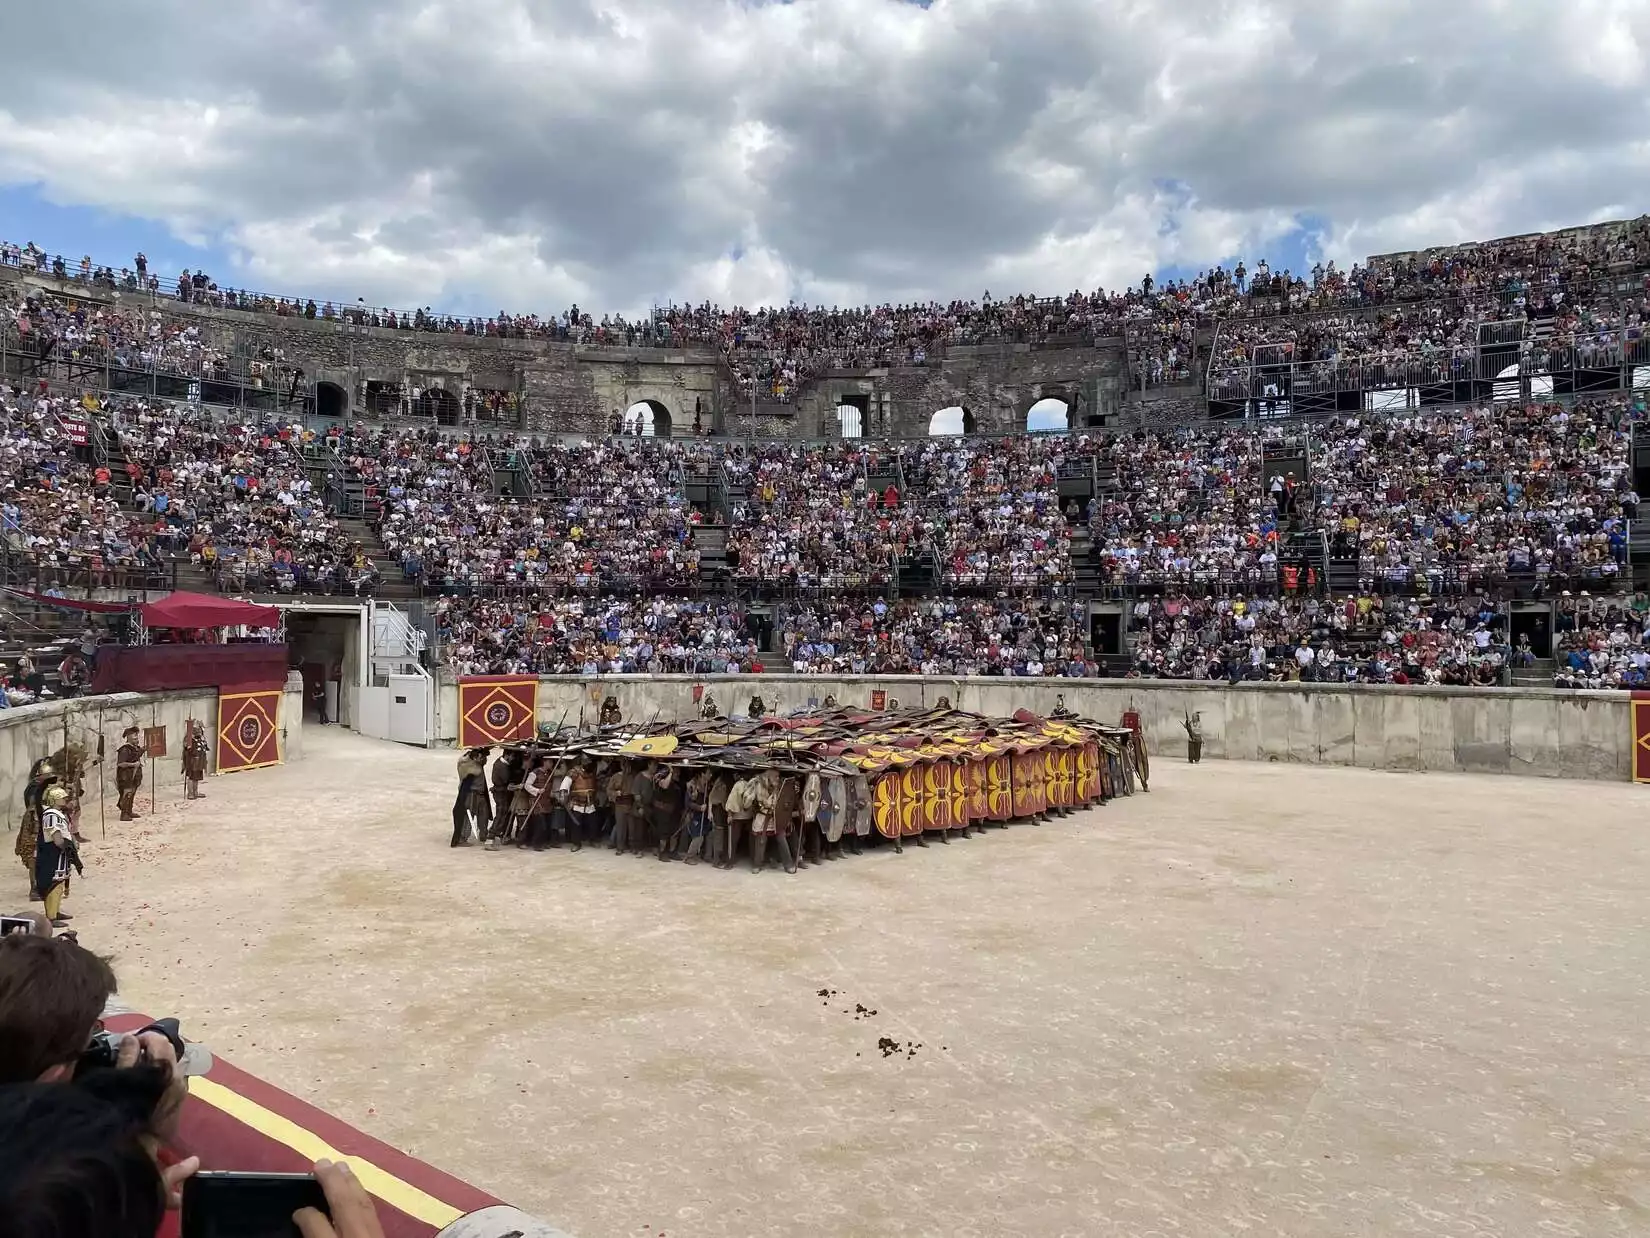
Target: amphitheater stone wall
point(1529, 731)
point(29, 732)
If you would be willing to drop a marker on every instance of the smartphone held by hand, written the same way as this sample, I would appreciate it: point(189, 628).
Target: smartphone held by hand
point(248, 1205)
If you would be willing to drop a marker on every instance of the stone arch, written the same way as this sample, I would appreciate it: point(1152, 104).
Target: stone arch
point(439, 405)
point(331, 401)
point(651, 417)
point(951, 422)
point(1049, 415)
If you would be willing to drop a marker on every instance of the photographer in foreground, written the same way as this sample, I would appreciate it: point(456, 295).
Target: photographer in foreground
point(52, 997)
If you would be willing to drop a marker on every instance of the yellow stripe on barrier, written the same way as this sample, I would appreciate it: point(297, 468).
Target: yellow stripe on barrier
point(386, 1186)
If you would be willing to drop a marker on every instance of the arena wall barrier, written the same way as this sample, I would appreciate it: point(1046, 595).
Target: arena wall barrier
point(29, 732)
point(1530, 731)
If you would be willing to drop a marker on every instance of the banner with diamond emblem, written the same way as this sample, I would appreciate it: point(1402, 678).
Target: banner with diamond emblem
point(496, 709)
point(249, 729)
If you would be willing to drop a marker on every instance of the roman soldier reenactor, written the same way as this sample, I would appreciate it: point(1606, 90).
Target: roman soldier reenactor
point(55, 853)
point(758, 707)
point(128, 772)
point(581, 803)
point(610, 715)
point(1060, 710)
point(472, 797)
point(1194, 738)
point(196, 752)
point(708, 708)
point(42, 774)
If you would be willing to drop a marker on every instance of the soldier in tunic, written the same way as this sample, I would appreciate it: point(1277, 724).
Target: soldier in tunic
point(623, 800)
point(506, 777)
point(808, 844)
point(55, 853)
point(196, 752)
point(610, 715)
point(716, 804)
point(787, 821)
point(741, 808)
point(1194, 738)
point(471, 799)
point(641, 809)
point(667, 809)
point(581, 804)
point(764, 794)
point(128, 772)
point(697, 817)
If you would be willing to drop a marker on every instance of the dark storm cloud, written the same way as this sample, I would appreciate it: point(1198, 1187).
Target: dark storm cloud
point(496, 150)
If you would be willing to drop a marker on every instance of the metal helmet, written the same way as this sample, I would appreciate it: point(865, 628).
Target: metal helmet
point(55, 797)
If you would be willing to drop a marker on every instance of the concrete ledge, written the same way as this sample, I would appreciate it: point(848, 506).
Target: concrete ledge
point(1533, 731)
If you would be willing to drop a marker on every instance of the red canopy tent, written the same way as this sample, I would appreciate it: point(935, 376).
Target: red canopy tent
point(205, 610)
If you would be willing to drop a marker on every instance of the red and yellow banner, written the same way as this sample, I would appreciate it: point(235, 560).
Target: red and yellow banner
point(496, 709)
point(249, 729)
point(1641, 739)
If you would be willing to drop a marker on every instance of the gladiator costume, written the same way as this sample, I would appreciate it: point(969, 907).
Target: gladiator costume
point(196, 751)
point(128, 773)
point(708, 708)
point(610, 715)
point(1060, 710)
point(758, 707)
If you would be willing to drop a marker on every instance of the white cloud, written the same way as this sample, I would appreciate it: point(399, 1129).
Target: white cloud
point(527, 153)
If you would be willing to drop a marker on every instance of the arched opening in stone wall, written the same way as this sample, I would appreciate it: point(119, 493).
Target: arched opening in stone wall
point(331, 402)
point(950, 422)
point(649, 418)
point(850, 421)
point(438, 405)
point(1048, 416)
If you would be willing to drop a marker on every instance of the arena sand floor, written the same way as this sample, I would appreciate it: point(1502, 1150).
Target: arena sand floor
point(1259, 1000)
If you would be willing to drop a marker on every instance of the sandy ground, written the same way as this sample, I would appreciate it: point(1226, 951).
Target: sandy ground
point(1259, 1000)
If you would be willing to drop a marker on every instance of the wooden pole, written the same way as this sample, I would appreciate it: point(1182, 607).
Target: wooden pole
point(151, 764)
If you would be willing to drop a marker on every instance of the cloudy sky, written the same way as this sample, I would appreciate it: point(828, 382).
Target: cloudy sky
point(523, 154)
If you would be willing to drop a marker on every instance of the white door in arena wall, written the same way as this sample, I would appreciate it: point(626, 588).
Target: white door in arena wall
point(409, 711)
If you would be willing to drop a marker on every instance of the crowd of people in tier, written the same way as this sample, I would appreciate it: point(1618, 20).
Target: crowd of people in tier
point(1430, 499)
point(1363, 638)
point(526, 633)
point(936, 636)
point(774, 352)
point(1601, 641)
